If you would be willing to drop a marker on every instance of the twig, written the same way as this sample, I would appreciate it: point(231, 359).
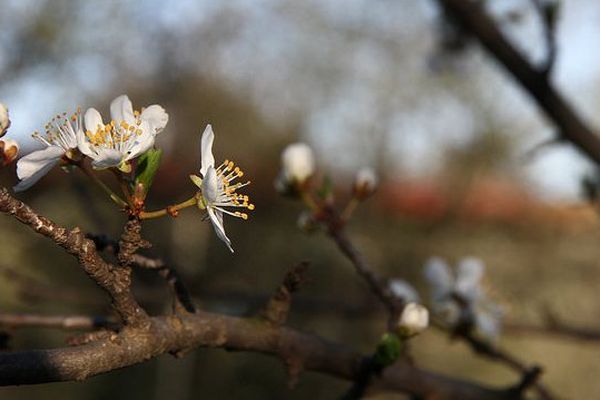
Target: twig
point(115, 281)
point(278, 307)
point(74, 322)
point(494, 353)
point(473, 18)
point(377, 283)
point(182, 298)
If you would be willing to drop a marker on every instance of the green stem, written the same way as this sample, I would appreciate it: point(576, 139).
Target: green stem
point(169, 210)
point(92, 175)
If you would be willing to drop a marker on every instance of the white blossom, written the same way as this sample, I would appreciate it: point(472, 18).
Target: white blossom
point(126, 136)
point(4, 120)
point(459, 296)
point(298, 162)
point(218, 190)
point(365, 182)
point(59, 140)
point(403, 290)
point(414, 319)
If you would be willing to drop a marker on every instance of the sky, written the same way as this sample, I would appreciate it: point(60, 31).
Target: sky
point(281, 54)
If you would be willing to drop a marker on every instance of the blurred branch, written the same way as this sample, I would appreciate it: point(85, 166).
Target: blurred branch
point(474, 18)
point(377, 284)
point(75, 322)
point(496, 354)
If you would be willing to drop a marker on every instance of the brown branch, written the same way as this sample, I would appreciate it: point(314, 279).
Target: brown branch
point(71, 322)
point(496, 354)
point(135, 344)
point(182, 298)
point(278, 307)
point(378, 285)
point(115, 281)
point(473, 18)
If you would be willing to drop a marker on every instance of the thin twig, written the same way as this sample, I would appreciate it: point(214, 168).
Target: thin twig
point(278, 307)
point(182, 297)
point(69, 322)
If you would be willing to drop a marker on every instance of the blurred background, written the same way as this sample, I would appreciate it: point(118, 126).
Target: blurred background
point(387, 84)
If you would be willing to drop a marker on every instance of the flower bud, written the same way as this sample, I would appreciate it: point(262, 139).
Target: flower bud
point(413, 320)
point(365, 183)
point(9, 150)
point(4, 120)
point(298, 163)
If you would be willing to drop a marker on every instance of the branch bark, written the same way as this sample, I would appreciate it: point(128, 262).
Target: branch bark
point(115, 281)
point(135, 344)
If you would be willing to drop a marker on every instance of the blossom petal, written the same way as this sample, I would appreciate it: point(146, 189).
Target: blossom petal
point(216, 217)
point(468, 278)
point(438, 275)
point(210, 186)
point(404, 290)
point(106, 158)
point(83, 144)
point(92, 120)
point(156, 116)
point(142, 143)
point(207, 160)
point(121, 109)
point(35, 165)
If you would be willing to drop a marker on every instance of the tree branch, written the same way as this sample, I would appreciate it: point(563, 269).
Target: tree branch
point(135, 344)
point(115, 281)
point(473, 18)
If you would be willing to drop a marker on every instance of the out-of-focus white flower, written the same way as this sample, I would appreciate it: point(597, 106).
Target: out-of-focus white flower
point(365, 183)
point(404, 290)
point(129, 133)
point(438, 274)
point(4, 120)
point(217, 187)
point(414, 319)
point(460, 297)
point(298, 163)
point(468, 278)
point(60, 140)
point(9, 150)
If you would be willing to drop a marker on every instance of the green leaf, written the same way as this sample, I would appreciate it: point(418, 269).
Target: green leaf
point(388, 350)
point(147, 167)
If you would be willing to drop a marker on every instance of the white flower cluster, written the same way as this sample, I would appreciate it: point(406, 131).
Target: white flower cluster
point(68, 139)
point(127, 135)
point(456, 297)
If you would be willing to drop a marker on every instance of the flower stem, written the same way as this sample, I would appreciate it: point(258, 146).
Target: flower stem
point(349, 210)
point(309, 200)
point(169, 210)
point(92, 175)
